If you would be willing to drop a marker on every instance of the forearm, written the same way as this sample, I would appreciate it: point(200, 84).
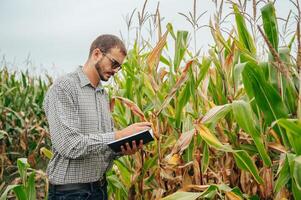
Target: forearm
point(74, 145)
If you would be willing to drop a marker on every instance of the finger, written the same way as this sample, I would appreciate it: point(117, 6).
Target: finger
point(148, 124)
point(126, 151)
point(140, 144)
point(122, 149)
point(142, 128)
point(147, 127)
point(134, 147)
point(128, 147)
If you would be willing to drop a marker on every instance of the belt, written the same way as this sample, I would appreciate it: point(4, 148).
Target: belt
point(77, 186)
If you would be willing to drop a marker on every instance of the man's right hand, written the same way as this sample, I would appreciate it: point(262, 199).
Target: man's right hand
point(130, 130)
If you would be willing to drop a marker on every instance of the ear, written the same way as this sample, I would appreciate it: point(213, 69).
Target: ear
point(96, 54)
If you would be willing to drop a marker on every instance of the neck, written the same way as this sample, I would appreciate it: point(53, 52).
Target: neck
point(91, 72)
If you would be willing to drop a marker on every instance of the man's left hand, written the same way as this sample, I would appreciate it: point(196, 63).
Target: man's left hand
point(127, 150)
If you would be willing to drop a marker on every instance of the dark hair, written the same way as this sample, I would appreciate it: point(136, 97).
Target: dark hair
point(106, 42)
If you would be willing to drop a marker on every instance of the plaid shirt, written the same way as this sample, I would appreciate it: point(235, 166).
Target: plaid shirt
point(80, 125)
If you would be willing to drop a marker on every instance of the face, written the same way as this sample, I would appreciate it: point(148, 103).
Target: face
point(108, 63)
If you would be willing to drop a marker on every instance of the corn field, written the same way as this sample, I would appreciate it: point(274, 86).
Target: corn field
point(227, 123)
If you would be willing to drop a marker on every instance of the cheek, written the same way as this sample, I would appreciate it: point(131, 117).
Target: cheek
point(99, 66)
point(106, 67)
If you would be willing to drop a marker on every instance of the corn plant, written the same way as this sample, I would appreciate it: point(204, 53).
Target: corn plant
point(226, 124)
point(25, 191)
point(23, 128)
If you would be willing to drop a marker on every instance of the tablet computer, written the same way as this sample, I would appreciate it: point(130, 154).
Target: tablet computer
point(145, 135)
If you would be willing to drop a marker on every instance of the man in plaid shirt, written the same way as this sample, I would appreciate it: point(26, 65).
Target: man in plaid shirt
point(81, 125)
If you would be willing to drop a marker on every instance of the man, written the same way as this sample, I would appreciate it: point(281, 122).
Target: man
point(81, 126)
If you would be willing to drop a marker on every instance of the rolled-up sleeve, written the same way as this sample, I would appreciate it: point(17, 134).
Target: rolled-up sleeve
point(64, 121)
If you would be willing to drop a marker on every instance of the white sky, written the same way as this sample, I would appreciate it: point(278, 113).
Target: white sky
point(56, 34)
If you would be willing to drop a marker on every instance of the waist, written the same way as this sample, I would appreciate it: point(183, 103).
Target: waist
point(91, 186)
point(89, 169)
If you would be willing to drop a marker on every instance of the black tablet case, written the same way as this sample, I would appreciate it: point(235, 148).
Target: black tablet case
point(145, 135)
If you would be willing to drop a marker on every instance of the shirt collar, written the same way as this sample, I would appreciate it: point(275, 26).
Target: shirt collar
point(84, 80)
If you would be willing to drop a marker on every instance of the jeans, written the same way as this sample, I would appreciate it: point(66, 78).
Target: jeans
point(82, 194)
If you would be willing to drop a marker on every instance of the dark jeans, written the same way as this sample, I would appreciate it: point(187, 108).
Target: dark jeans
point(99, 193)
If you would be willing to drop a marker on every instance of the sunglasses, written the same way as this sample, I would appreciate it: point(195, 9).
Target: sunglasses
point(115, 64)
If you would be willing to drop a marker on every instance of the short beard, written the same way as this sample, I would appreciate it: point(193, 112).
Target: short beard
point(98, 69)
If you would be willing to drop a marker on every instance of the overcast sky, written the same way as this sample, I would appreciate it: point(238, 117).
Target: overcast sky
point(56, 34)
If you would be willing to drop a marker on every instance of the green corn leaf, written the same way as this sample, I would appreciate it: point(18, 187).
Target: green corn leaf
point(213, 91)
point(297, 172)
point(125, 172)
point(169, 27)
point(210, 192)
point(206, 62)
point(18, 190)
point(180, 48)
point(165, 61)
point(216, 113)
point(243, 33)
point(283, 177)
point(115, 182)
point(205, 158)
point(20, 193)
point(244, 162)
point(244, 116)
point(183, 100)
point(293, 130)
point(148, 88)
point(22, 168)
point(30, 186)
point(265, 69)
point(238, 194)
point(296, 191)
point(238, 68)
point(270, 24)
point(290, 94)
point(266, 97)
point(250, 148)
